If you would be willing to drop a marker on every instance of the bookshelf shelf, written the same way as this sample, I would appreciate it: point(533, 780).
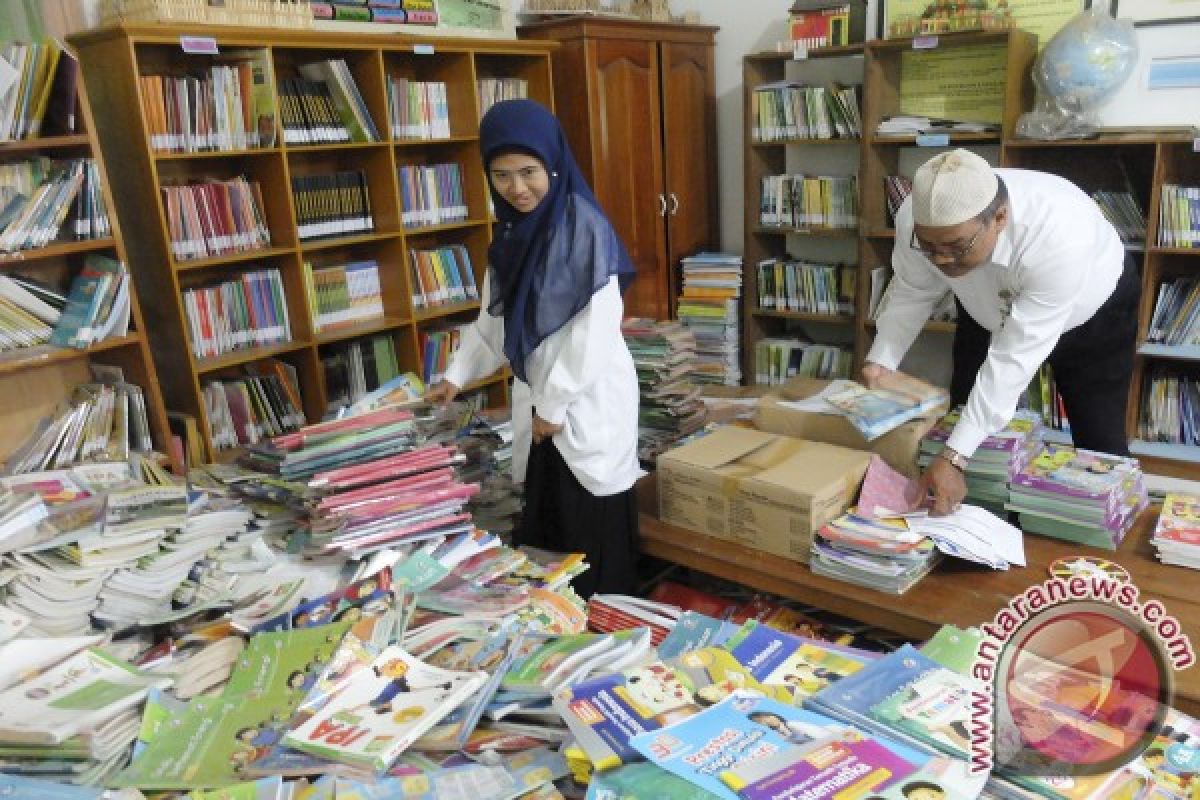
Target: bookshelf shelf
point(163, 155)
point(56, 250)
point(962, 137)
point(1171, 352)
point(1174, 251)
point(805, 316)
point(230, 259)
point(42, 355)
point(117, 56)
point(311, 245)
point(791, 142)
point(832, 233)
point(247, 356)
point(1172, 452)
point(42, 143)
point(834, 51)
point(364, 328)
point(438, 312)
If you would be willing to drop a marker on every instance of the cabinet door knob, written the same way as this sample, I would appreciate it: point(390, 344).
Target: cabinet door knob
point(662, 205)
point(674, 204)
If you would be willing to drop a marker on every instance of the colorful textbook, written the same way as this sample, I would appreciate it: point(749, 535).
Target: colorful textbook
point(874, 412)
point(380, 714)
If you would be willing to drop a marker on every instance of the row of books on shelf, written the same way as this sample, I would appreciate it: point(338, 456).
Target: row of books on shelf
point(356, 368)
point(1122, 209)
point(40, 78)
point(244, 410)
point(343, 294)
point(43, 201)
point(804, 201)
point(103, 420)
point(778, 359)
point(897, 188)
point(790, 110)
point(215, 218)
point(442, 276)
point(437, 347)
point(1179, 216)
point(791, 285)
point(431, 195)
point(493, 90)
point(334, 204)
point(1176, 317)
point(240, 313)
point(323, 105)
point(944, 310)
point(1170, 410)
point(225, 107)
point(96, 307)
point(418, 109)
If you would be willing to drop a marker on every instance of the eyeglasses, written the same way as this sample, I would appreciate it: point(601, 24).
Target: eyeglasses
point(502, 179)
point(955, 253)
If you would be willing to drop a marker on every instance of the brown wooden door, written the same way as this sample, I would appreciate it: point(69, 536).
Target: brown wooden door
point(690, 153)
point(628, 169)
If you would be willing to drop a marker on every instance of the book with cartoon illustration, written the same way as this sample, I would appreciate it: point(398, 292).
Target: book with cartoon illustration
point(804, 666)
point(381, 713)
point(350, 603)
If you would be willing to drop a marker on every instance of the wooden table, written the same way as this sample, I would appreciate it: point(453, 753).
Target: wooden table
point(955, 593)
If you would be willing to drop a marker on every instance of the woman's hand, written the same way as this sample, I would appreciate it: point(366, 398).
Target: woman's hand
point(543, 430)
point(441, 393)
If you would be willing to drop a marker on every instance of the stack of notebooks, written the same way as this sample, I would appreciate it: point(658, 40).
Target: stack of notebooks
point(879, 553)
point(708, 307)
point(1079, 496)
point(997, 461)
point(1176, 536)
point(670, 408)
point(488, 445)
point(874, 412)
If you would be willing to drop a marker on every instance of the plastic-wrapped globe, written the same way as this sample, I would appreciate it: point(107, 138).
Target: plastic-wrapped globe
point(1086, 62)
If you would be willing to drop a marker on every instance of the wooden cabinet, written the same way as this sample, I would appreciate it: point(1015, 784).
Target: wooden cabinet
point(645, 139)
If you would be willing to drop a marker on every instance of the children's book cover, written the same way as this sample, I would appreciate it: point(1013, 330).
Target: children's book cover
point(380, 714)
point(214, 742)
point(935, 708)
point(364, 597)
point(545, 657)
point(743, 728)
point(1179, 520)
point(694, 631)
point(940, 779)
point(804, 666)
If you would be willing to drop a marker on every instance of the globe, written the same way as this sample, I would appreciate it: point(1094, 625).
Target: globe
point(1086, 62)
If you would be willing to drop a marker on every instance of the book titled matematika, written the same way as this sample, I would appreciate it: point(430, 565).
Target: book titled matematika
point(80, 693)
point(382, 712)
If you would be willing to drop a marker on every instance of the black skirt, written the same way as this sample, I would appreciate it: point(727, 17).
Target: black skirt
point(562, 516)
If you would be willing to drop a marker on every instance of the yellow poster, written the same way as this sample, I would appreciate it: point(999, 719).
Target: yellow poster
point(923, 17)
point(965, 84)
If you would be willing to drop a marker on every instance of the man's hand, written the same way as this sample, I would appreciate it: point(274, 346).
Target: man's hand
point(441, 393)
point(947, 485)
point(875, 376)
point(543, 430)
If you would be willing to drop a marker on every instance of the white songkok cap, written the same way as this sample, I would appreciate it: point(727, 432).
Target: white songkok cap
point(952, 188)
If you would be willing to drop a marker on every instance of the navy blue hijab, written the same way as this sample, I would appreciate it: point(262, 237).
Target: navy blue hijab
point(546, 264)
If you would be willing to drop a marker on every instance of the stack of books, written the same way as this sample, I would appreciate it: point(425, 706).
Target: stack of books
point(216, 218)
point(1179, 216)
point(418, 109)
point(238, 314)
point(431, 195)
point(670, 408)
point(357, 368)
point(997, 460)
point(340, 295)
point(43, 201)
point(1079, 496)
point(880, 553)
point(1176, 536)
point(442, 276)
point(708, 307)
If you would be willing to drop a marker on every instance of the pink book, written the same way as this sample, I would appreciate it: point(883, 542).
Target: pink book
point(886, 493)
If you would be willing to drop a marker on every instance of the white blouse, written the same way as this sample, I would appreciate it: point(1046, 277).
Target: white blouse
point(581, 377)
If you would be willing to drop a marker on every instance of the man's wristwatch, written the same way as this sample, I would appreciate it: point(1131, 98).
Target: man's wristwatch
point(955, 458)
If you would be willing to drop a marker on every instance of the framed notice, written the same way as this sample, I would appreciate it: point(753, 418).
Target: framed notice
point(1159, 12)
point(904, 18)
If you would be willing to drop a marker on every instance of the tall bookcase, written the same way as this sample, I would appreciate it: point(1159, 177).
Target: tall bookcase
point(875, 158)
point(35, 380)
point(117, 56)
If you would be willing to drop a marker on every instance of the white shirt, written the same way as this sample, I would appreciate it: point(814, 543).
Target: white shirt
point(581, 377)
point(1054, 265)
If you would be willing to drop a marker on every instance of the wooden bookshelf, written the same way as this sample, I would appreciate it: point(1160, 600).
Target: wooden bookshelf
point(116, 56)
point(34, 381)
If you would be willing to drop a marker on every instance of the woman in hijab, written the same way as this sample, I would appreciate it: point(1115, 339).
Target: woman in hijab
point(552, 311)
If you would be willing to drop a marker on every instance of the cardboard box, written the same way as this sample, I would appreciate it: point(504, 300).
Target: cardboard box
point(766, 491)
point(898, 447)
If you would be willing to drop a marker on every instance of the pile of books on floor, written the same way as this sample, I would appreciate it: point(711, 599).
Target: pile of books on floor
point(708, 307)
point(1176, 536)
point(997, 460)
point(670, 407)
point(1078, 495)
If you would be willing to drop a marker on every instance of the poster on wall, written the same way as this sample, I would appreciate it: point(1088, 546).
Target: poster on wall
point(903, 18)
point(1158, 12)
